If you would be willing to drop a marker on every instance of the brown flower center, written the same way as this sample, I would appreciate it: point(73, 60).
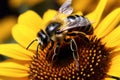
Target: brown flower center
point(94, 62)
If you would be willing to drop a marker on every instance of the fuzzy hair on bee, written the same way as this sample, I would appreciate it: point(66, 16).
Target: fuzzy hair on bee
point(72, 25)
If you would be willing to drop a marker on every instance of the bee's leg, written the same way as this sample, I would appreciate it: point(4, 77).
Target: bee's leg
point(37, 50)
point(52, 44)
point(79, 34)
point(56, 51)
point(73, 47)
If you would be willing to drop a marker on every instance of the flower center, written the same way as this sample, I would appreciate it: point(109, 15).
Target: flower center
point(93, 61)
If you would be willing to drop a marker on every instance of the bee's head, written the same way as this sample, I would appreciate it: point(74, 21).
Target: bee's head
point(42, 38)
point(52, 28)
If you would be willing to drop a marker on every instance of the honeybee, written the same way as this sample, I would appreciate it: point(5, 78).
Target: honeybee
point(72, 26)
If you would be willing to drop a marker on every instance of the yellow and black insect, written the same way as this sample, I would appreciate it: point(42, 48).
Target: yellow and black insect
point(66, 30)
point(56, 32)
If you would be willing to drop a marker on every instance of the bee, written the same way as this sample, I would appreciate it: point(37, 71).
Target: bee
point(57, 32)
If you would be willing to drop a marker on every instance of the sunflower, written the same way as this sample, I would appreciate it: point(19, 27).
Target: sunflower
point(99, 58)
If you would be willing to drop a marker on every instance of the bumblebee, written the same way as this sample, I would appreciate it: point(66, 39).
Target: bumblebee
point(57, 32)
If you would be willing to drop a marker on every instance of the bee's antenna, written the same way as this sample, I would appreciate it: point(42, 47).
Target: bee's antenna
point(31, 43)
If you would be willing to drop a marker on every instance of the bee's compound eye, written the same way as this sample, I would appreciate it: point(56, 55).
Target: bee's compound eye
point(52, 28)
point(71, 18)
point(43, 38)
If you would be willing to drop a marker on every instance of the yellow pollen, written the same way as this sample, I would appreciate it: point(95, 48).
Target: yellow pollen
point(88, 75)
point(73, 77)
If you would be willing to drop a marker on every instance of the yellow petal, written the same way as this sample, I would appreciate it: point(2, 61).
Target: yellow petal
point(109, 79)
point(11, 78)
point(48, 15)
point(21, 62)
point(11, 69)
point(15, 51)
point(113, 39)
point(108, 24)
point(24, 35)
point(97, 13)
point(30, 19)
point(114, 43)
point(117, 49)
point(115, 67)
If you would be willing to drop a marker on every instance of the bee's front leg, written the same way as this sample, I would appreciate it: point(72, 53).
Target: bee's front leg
point(56, 51)
point(37, 50)
point(73, 47)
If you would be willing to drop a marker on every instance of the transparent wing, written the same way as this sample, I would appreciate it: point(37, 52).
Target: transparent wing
point(68, 25)
point(66, 7)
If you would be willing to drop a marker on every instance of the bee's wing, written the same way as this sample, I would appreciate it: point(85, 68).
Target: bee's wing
point(66, 7)
point(69, 26)
point(78, 22)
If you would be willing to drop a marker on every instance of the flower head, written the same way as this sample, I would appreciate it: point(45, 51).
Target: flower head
point(98, 53)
